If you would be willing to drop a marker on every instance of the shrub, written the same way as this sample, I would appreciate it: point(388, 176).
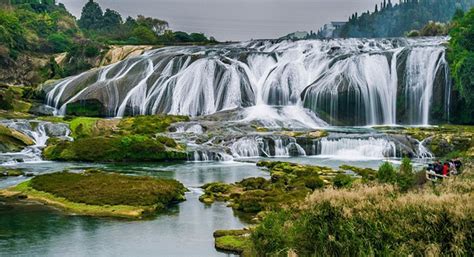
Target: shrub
point(59, 43)
point(342, 180)
point(254, 183)
point(387, 173)
point(270, 237)
point(313, 182)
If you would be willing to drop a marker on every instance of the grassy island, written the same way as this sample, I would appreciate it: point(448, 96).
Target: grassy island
point(98, 193)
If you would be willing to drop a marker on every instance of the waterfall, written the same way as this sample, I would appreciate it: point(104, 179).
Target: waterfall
point(358, 148)
point(423, 152)
point(422, 66)
point(246, 147)
point(309, 83)
point(39, 132)
point(270, 146)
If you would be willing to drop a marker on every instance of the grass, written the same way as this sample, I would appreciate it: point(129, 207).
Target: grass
point(101, 194)
point(82, 126)
point(98, 188)
point(375, 220)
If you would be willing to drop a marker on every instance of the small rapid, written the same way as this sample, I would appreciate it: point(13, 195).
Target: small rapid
point(39, 132)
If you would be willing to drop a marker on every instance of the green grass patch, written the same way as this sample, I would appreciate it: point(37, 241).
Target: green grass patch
point(82, 127)
point(98, 188)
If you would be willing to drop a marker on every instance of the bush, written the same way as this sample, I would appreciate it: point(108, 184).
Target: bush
point(387, 173)
point(313, 182)
point(91, 51)
point(342, 180)
point(59, 43)
point(270, 237)
point(254, 183)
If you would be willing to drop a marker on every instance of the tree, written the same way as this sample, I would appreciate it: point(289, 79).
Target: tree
point(158, 26)
point(198, 37)
point(461, 59)
point(91, 16)
point(144, 34)
point(111, 19)
point(181, 36)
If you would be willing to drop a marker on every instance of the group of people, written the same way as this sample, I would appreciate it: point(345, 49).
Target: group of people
point(450, 167)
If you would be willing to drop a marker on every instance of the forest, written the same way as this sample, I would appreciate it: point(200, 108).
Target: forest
point(396, 20)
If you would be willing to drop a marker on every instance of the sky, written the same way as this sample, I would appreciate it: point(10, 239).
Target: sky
point(236, 20)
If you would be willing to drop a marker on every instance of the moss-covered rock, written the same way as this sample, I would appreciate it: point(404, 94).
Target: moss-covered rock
point(289, 184)
point(12, 140)
point(118, 140)
point(441, 140)
point(87, 108)
point(113, 149)
point(5, 172)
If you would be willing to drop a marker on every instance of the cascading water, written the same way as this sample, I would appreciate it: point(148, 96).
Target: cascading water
point(422, 67)
point(358, 148)
point(343, 81)
point(39, 132)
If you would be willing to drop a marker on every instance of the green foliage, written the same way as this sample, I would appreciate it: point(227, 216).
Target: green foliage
point(405, 179)
point(149, 125)
point(12, 33)
point(270, 237)
point(289, 184)
point(461, 58)
point(91, 16)
point(342, 180)
point(144, 35)
point(387, 173)
point(111, 20)
point(98, 188)
point(113, 149)
point(254, 183)
point(59, 42)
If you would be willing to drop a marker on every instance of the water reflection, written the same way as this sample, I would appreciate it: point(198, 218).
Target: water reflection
point(183, 230)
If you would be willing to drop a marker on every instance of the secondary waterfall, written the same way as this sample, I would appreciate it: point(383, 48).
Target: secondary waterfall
point(309, 82)
point(356, 148)
point(39, 132)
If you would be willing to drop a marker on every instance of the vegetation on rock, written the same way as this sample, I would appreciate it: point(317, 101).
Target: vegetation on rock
point(289, 183)
point(118, 140)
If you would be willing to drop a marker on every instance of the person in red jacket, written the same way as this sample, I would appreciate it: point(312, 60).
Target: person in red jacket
point(445, 169)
